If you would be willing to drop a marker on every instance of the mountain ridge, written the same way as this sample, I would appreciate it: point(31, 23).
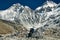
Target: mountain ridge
point(27, 17)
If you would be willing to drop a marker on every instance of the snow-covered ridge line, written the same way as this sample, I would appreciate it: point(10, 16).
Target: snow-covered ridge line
point(30, 18)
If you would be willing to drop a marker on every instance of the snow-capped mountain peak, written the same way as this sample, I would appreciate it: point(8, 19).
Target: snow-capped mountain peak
point(50, 4)
point(11, 12)
point(47, 6)
point(27, 17)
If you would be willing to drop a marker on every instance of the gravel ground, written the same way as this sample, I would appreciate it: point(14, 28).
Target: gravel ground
point(15, 38)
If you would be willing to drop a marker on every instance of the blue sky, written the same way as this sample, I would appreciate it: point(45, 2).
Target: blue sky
point(4, 4)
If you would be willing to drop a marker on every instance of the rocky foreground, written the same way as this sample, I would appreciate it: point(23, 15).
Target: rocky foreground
point(11, 31)
point(15, 38)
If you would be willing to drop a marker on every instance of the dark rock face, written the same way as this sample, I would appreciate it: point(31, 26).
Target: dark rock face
point(31, 32)
point(37, 34)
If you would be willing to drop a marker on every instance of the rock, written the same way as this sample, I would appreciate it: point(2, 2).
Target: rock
point(52, 32)
point(30, 33)
point(37, 34)
point(22, 31)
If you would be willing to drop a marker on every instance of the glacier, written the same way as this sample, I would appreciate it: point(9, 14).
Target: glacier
point(45, 15)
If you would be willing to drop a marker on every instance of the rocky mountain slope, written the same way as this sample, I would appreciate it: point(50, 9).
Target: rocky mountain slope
point(19, 19)
point(5, 28)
